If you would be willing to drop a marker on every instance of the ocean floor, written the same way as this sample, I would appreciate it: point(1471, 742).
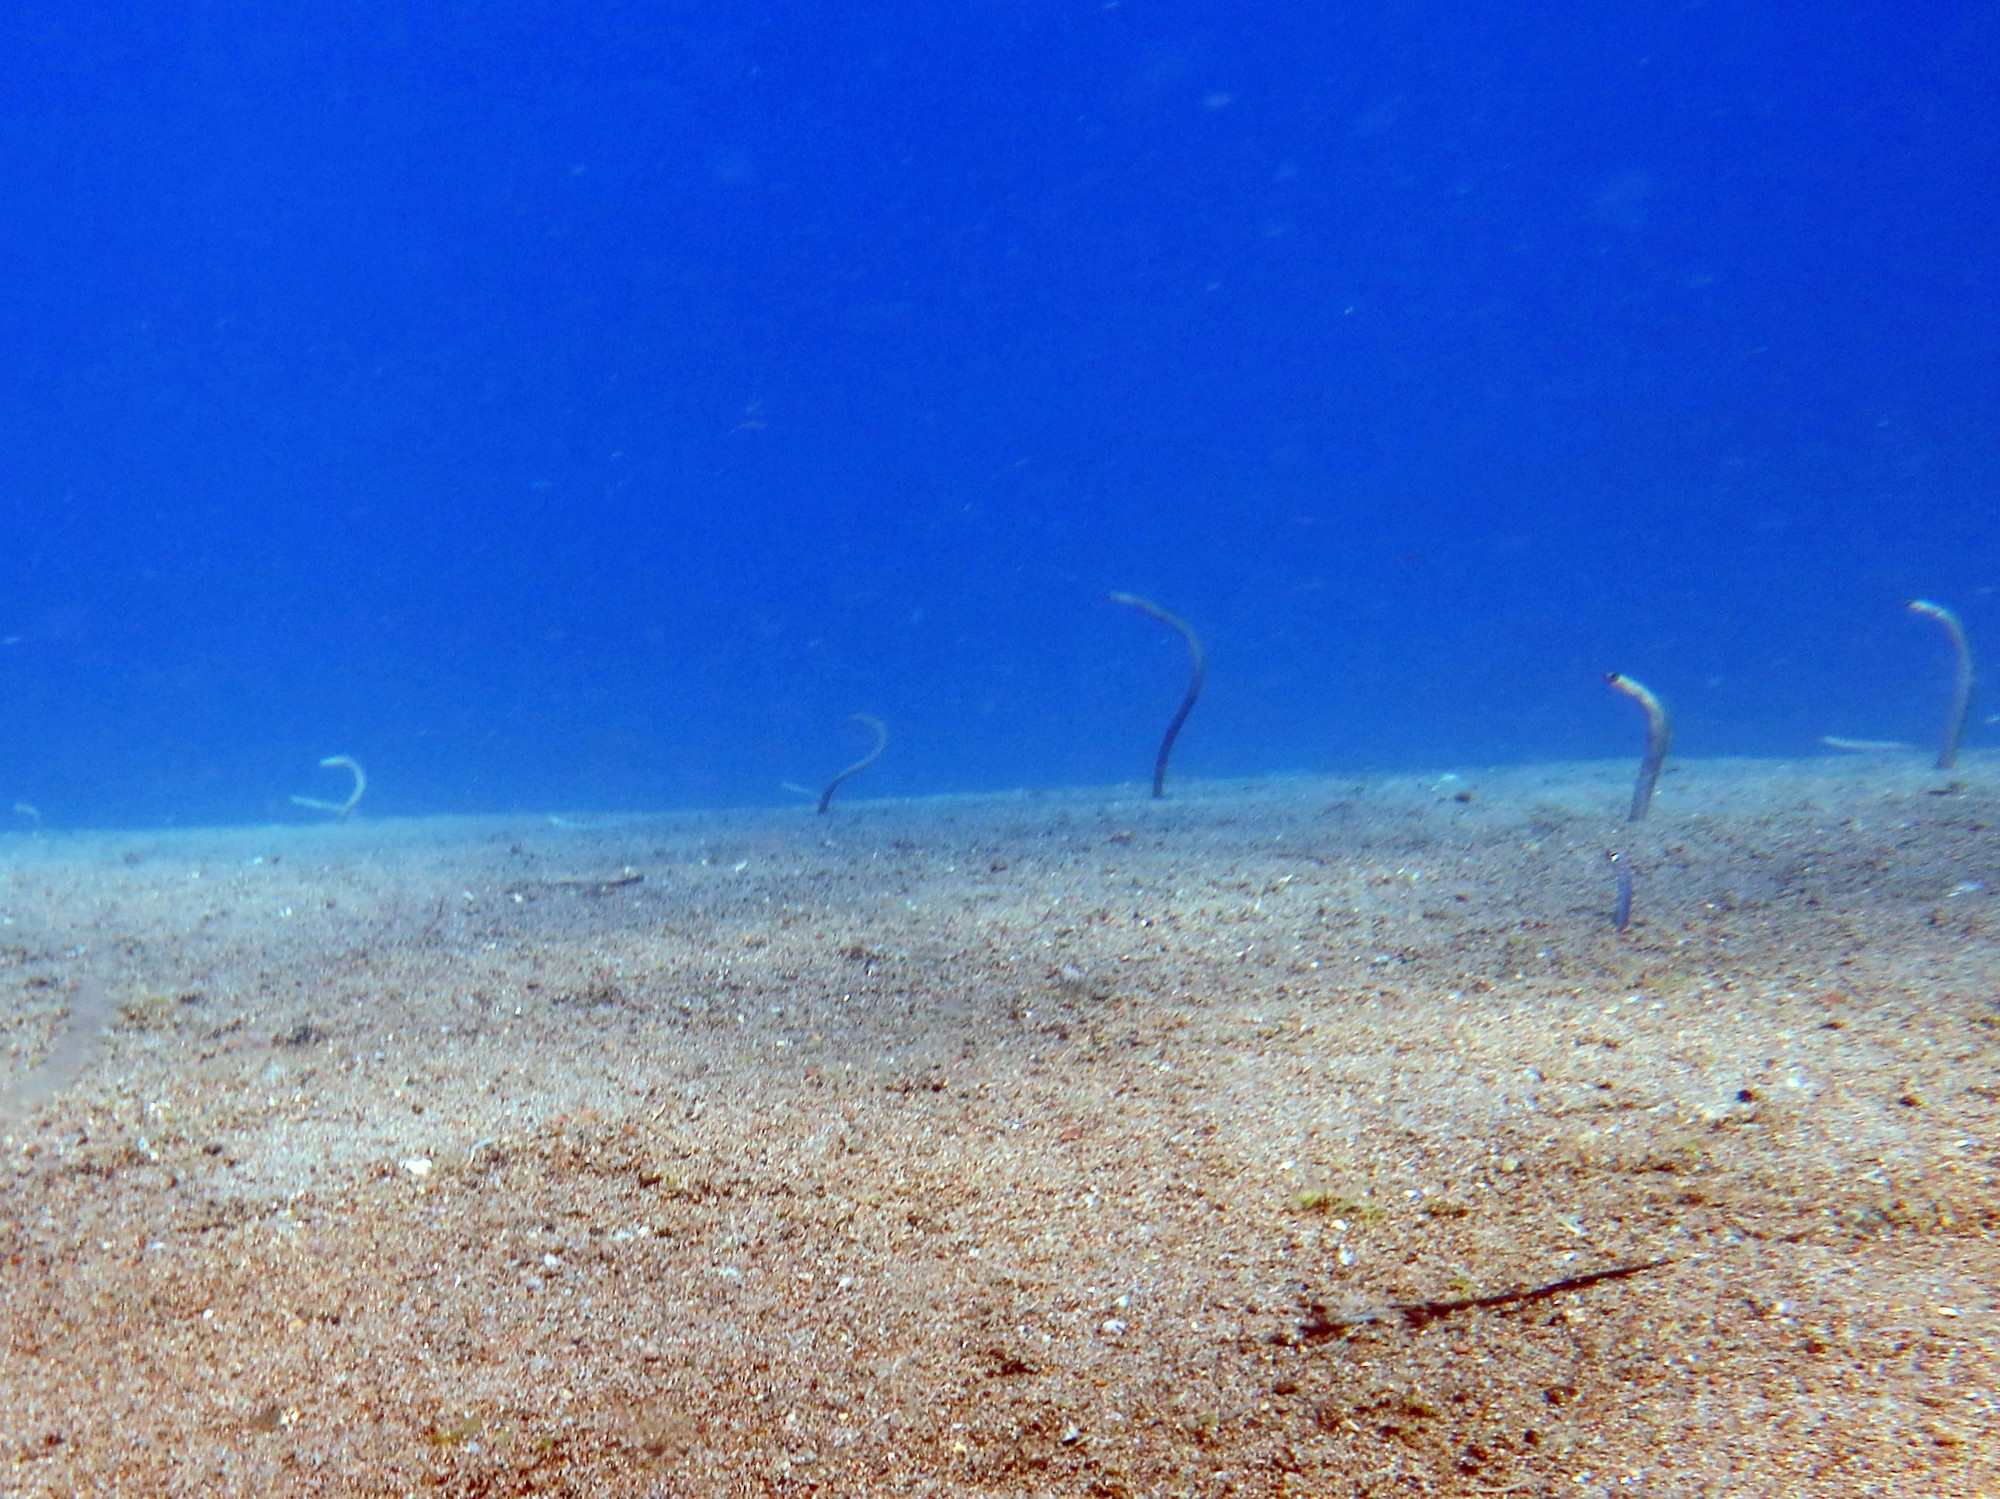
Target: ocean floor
point(1272, 1139)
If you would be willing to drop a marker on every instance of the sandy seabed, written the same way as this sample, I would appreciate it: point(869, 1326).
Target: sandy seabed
point(1266, 1140)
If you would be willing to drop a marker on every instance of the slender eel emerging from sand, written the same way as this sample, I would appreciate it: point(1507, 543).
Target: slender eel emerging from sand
point(1659, 736)
point(875, 726)
point(1961, 689)
point(342, 810)
point(1621, 911)
point(79, 1041)
point(1197, 674)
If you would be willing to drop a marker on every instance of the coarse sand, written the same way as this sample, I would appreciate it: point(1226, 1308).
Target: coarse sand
point(1265, 1140)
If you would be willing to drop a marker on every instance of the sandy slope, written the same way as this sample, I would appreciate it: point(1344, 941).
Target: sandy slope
point(1018, 1145)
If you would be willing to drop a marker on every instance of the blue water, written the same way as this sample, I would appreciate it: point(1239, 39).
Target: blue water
point(562, 406)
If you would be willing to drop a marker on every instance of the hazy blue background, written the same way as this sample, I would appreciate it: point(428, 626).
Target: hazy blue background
point(562, 405)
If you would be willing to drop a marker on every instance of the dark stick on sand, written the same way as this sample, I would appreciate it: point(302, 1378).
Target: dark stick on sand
point(1319, 1324)
point(1659, 736)
point(1197, 674)
point(1961, 691)
point(873, 724)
